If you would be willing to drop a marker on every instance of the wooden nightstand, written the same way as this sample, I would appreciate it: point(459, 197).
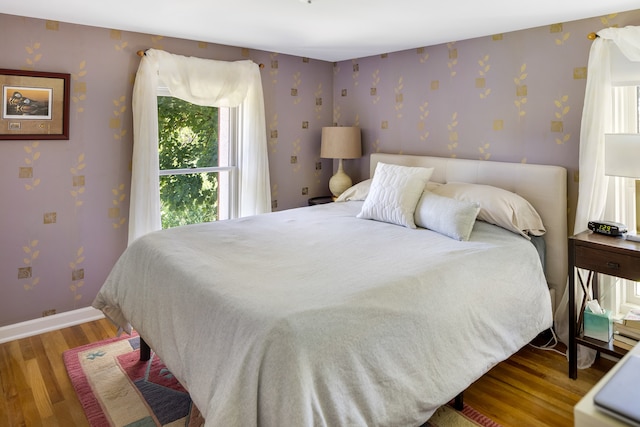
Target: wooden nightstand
point(320, 200)
point(613, 256)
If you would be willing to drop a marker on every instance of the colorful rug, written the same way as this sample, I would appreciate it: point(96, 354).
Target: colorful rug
point(447, 416)
point(115, 389)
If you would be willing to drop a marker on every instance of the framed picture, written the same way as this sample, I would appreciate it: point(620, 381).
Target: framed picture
point(35, 105)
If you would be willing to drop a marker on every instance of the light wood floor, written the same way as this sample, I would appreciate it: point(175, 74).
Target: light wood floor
point(529, 389)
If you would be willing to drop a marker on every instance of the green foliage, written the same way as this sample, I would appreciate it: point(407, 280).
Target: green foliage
point(188, 138)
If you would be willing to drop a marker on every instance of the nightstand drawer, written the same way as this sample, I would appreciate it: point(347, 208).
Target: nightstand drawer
point(606, 262)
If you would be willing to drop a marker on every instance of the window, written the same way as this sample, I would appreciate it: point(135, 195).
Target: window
point(621, 194)
point(198, 170)
point(234, 84)
point(632, 289)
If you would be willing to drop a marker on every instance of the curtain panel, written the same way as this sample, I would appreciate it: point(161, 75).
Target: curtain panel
point(597, 119)
point(203, 82)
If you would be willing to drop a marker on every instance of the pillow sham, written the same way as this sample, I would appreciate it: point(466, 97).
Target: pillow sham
point(432, 185)
point(356, 192)
point(497, 206)
point(394, 194)
point(360, 190)
point(447, 216)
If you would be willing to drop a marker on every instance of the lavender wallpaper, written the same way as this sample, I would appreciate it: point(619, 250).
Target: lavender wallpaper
point(515, 97)
point(64, 204)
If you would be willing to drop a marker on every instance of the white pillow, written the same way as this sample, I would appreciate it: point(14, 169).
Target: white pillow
point(356, 192)
point(394, 194)
point(497, 206)
point(360, 190)
point(451, 217)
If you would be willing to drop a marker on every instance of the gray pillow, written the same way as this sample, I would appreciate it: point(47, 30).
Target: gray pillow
point(451, 217)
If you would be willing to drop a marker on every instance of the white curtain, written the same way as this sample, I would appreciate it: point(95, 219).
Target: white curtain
point(597, 119)
point(203, 82)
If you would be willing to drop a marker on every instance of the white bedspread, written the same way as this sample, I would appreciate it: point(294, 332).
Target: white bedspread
point(311, 317)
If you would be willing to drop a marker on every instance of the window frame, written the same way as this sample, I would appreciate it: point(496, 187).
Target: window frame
point(631, 289)
point(621, 191)
point(228, 175)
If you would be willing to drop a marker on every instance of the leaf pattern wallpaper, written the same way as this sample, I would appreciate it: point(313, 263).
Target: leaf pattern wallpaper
point(64, 204)
point(514, 97)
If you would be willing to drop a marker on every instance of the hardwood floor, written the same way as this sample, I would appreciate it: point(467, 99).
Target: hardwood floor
point(529, 389)
point(36, 390)
point(532, 388)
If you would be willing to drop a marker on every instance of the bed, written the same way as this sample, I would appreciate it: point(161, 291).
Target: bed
point(323, 316)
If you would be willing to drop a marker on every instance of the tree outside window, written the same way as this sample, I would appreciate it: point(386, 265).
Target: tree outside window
point(190, 166)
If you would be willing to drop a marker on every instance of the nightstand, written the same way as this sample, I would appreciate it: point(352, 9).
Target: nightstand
point(597, 253)
point(320, 200)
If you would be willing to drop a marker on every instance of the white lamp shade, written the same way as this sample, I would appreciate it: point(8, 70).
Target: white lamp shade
point(341, 142)
point(622, 154)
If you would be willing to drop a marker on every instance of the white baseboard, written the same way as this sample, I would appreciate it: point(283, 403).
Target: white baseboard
point(48, 323)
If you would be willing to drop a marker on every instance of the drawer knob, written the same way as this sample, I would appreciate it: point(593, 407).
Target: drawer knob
point(613, 265)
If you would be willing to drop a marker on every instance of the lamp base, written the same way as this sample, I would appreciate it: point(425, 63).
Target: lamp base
point(340, 181)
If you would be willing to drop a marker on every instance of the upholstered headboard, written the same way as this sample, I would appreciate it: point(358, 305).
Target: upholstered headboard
point(544, 186)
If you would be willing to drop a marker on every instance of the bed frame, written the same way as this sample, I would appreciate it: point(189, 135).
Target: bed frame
point(544, 186)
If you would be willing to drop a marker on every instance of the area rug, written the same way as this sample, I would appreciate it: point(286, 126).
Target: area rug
point(115, 389)
point(447, 416)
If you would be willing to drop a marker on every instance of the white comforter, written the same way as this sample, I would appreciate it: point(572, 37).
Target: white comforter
point(311, 317)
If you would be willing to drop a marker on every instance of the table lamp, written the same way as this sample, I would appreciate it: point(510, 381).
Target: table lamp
point(622, 158)
point(340, 142)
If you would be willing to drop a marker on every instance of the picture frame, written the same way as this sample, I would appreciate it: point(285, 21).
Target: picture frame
point(34, 105)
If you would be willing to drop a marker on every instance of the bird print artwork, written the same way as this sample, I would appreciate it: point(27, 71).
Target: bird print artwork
point(28, 102)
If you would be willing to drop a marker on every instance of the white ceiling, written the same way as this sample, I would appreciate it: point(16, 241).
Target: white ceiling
point(331, 30)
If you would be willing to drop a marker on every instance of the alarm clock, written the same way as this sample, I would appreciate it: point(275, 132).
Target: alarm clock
point(608, 228)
